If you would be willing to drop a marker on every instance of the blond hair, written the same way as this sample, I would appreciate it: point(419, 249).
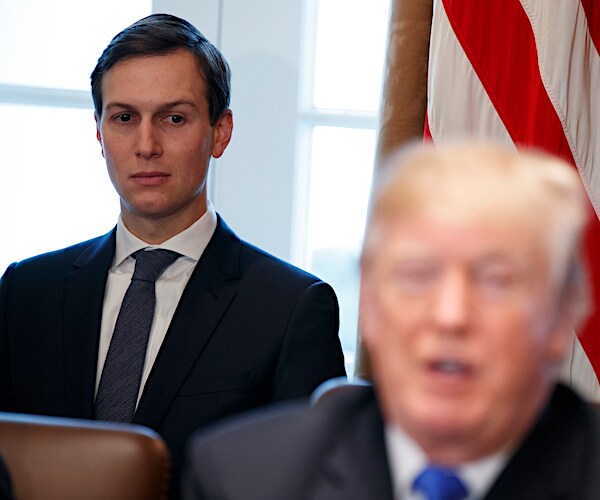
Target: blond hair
point(488, 182)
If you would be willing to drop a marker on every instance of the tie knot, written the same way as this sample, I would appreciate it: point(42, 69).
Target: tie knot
point(149, 264)
point(439, 483)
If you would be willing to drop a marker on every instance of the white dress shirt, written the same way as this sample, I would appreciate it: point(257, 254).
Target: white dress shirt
point(407, 460)
point(190, 243)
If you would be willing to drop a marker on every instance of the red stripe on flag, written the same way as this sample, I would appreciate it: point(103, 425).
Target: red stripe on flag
point(427, 131)
point(592, 13)
point(498, 40)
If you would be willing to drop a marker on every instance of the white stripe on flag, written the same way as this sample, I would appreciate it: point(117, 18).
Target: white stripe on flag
point(571, 72)
point(454, 114)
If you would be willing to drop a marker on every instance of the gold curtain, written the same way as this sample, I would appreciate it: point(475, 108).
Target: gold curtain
point(404, 99)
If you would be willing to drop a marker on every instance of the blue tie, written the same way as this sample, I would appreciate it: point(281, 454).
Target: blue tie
point(122, 373)
point(439, 483)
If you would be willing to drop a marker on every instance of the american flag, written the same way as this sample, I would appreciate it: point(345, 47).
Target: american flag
point(526, 72)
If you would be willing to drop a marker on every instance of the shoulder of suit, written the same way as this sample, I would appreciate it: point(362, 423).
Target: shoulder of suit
point(254, 257)
point(260, 255)
point(569, 420)
point(281, 421)
point(272, 453)
point(284, 437)
point(566, 404)
point(564, 397)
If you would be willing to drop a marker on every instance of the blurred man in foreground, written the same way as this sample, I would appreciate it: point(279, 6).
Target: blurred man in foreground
point(472, 284)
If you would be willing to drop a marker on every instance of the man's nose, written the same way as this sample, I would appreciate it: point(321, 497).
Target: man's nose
point(451, 302)
point(148, 143)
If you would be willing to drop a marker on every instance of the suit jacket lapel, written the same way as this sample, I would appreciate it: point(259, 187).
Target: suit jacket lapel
point(209, 292)
point(378, 481)
point(84, 297)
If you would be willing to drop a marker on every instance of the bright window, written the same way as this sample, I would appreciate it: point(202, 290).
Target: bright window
point(338, 115)
point(57, 43)
point(350, 50)
point(51, 162)
point(56, 188)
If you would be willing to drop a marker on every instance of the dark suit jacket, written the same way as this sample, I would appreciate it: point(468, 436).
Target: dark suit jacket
point(248, 330)
point(335, 450)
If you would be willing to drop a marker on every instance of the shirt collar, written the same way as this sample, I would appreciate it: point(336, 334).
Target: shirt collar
point(407, 460)
point(190, 242)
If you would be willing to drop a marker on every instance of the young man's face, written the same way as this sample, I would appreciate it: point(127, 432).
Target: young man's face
point(157, 139)
point(459, 322)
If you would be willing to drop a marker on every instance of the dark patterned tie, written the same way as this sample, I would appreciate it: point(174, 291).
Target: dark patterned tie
point(440, 483)
point(122, 373)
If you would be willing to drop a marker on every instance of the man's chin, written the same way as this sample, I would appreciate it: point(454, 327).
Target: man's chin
point(442, 418)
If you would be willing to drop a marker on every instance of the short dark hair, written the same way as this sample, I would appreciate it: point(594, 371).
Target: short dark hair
point(160, 34)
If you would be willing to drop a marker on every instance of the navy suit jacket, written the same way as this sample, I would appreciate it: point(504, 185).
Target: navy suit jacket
point(249, 330)
point(335, 450)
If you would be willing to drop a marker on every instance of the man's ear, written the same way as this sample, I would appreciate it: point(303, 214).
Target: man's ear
point(558, 343)
point(98, 134)
point(222, 130)
point(572, 309)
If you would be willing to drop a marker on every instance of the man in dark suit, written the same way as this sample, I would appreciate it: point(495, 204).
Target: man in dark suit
point(230, 327)
point(472, 282)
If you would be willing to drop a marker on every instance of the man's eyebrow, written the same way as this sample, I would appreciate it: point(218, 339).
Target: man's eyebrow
point(110, 105)
point(174, 104)
point(164, 107)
